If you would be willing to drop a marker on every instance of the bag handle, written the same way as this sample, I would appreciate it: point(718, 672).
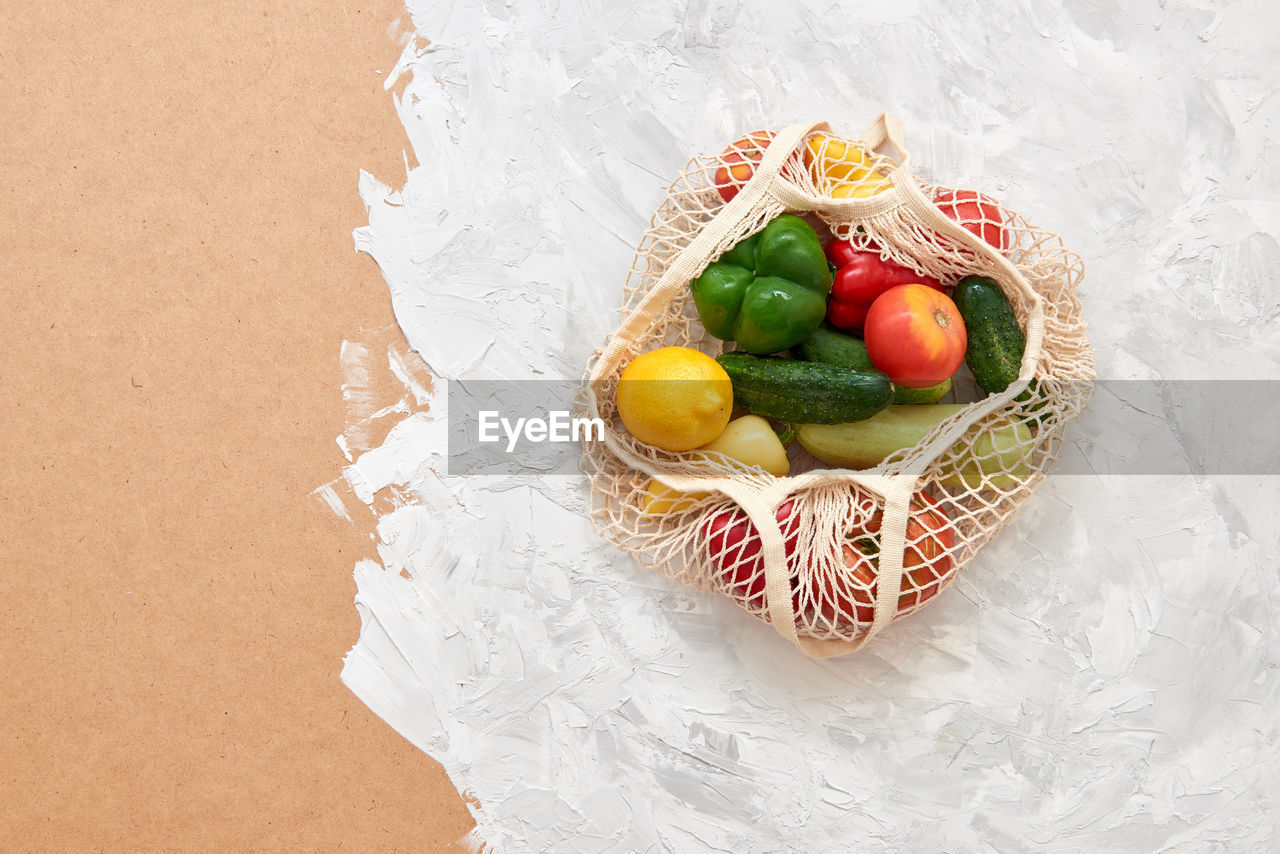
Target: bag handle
point(761, 504)
point(888, 128)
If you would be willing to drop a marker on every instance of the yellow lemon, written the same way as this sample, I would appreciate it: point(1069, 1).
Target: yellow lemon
point(675, 398)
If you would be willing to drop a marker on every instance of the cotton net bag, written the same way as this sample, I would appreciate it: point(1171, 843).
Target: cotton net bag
point(831, 556)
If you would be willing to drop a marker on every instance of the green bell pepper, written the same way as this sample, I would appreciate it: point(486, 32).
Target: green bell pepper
point(769, 292)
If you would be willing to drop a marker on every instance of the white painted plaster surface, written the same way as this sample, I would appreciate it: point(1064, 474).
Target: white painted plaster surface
point(1103, 678)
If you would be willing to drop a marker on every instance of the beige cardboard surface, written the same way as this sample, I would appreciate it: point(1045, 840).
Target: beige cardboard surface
point(177, 197)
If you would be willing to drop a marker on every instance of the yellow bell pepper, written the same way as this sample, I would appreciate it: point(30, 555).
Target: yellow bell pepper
point(749, 440)
point(841, 169)
point(855, 191)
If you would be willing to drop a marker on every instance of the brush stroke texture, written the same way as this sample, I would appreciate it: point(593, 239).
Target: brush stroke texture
point(1104, 678)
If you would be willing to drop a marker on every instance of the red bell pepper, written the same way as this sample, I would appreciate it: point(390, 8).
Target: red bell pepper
point(861, 276)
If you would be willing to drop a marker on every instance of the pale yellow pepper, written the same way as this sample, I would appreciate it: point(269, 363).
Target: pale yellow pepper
point(749, 440)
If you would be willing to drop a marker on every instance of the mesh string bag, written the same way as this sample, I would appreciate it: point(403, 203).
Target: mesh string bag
point(830, 556)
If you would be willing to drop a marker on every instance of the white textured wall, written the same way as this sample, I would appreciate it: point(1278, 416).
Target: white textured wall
point(1104, 678)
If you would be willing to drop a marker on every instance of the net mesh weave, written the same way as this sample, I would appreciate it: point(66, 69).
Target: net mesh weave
point(831, 556)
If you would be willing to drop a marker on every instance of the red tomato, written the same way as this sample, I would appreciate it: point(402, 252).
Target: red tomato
point(734, 546)
point(915, 335)
point(927, 562)
point(739, 161)
point(978, 214)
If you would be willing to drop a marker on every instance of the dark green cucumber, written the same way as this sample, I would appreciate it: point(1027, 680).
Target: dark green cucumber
point(830, 347)
point(996, 342)
point(807, 392)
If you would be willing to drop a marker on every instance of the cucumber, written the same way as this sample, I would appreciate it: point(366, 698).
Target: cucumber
point(867, 443)
point(997, 459)
point(807, 392)
point(916, 396)
point(996, 342)
point(830, 347)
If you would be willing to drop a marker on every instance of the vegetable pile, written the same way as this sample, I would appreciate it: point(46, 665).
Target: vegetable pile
point(843, 352)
